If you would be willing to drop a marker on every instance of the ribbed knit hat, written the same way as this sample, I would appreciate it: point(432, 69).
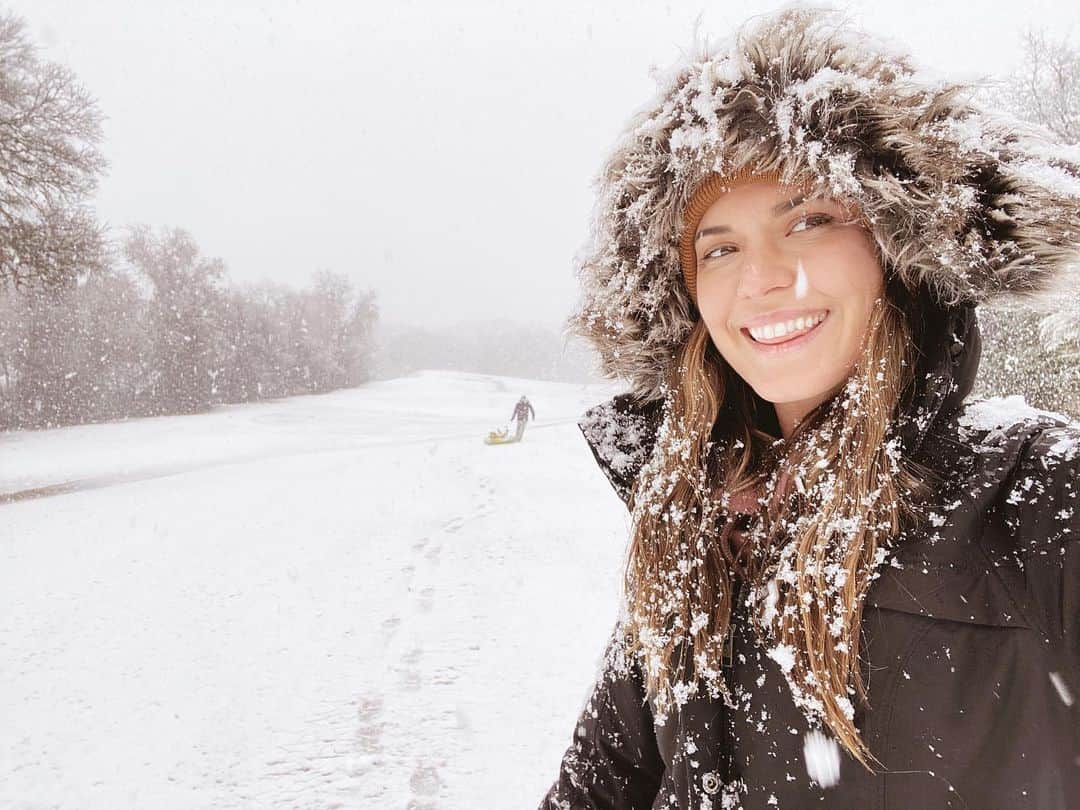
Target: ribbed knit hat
point(706, 194)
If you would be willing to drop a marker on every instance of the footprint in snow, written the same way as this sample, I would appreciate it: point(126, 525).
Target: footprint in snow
point(425, 780)
point(410, 675)
point(426, 599)
point(389, 627)
point(444, 676)
point(369, 731)
point(410, 680)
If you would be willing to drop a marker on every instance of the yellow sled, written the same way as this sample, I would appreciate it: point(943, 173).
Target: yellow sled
point(501, 436)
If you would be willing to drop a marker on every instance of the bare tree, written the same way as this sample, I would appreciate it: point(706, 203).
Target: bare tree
point(1031, 353)
point(185, 315)
point(1046, 90)
point(50, 128)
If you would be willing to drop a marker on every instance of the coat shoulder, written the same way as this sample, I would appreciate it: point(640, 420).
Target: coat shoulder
point(621, 434)
point(1007, 493)
point(987, 443)
point(1018, 462)
point(1036, 452)
point(1042, 498)
point(1025, 481)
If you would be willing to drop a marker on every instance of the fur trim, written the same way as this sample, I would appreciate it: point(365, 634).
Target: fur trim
point(964, 204)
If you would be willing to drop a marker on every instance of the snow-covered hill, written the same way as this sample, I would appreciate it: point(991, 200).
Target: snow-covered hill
point(343, 601)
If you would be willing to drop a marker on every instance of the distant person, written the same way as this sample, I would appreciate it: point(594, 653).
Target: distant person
point(521, 413)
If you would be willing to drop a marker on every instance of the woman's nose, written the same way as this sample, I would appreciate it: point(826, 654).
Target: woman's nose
point(765, 271)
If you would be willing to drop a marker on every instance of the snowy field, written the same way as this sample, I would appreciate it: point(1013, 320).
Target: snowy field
point(345, 600)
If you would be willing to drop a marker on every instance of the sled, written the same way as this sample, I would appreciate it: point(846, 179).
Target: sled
point(501, 436)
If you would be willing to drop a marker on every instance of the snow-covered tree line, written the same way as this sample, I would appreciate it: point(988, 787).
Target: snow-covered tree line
point(162, 332)
point(93, 328)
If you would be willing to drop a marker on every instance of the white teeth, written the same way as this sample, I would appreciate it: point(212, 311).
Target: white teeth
point(782, 329)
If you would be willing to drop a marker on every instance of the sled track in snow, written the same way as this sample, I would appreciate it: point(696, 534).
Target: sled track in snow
point(151, 473)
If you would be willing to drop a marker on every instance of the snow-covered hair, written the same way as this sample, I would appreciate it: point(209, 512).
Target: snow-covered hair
point(963, 204)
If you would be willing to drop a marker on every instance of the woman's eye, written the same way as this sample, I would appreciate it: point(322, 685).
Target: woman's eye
point(719, 252)
point(810, 221)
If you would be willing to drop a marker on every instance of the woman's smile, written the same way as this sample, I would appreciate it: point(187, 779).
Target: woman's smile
point(785, 335)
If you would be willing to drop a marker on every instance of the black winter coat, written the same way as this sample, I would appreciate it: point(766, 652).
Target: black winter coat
point(971, 640)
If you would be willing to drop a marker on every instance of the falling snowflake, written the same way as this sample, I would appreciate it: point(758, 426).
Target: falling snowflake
point(822, 756)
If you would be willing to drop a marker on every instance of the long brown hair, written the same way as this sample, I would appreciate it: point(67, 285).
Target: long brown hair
point(831, 498)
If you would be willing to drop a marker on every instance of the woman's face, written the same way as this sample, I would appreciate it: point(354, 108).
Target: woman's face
point(786, 287)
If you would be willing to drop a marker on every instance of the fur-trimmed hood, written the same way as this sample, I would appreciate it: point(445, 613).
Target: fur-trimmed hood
point(965, 205)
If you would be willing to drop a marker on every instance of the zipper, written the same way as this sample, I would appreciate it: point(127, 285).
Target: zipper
point(727, 656)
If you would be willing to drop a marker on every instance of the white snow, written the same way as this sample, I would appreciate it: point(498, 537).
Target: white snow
point(1041, 173)
point(802, 285)
point(995, 413)
point(822, 755)
point(784, 655)
point(1067, 446)
point(343, 601)
point(1062, 688)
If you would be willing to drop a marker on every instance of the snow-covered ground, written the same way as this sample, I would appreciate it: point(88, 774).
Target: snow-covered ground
point(345, 600)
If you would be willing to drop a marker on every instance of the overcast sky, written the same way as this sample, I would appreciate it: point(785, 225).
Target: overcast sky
point(438, 152)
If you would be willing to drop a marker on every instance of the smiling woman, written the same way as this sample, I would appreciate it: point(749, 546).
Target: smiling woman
point(847, 585)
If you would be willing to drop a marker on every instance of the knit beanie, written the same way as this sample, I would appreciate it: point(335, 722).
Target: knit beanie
point(705, 195)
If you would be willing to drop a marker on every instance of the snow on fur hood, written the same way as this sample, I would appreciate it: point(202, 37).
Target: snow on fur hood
point(965, 205)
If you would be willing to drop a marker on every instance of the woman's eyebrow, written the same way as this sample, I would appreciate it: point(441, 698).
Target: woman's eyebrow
point(713, 229)
point(794, 202)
